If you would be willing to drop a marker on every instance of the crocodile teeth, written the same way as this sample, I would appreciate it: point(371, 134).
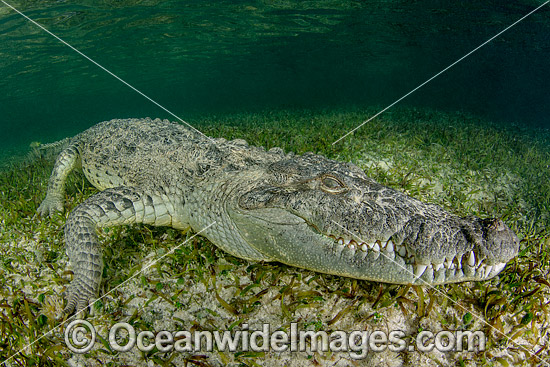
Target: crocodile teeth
point(419, 269)
point(437, 266)
point(488, 270)
point(472, 259)
point(481, 271)
point(389, 254)
point(389, 246)
point(402, 251)
point(385, 246)
point(498, 267)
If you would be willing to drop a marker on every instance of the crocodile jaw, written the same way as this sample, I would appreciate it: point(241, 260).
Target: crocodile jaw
point(290, 239)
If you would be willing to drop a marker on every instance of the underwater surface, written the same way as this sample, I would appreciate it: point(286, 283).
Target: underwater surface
point(200, 58)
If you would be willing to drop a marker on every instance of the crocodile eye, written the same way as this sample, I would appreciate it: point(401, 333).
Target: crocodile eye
point(332, 185)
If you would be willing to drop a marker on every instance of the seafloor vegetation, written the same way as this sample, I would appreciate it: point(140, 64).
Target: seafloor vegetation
point(466, 165)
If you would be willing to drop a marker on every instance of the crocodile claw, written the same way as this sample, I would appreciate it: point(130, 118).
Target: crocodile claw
point(78, 300)
point(50, 206)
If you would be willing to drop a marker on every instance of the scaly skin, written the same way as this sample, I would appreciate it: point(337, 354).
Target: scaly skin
point(306, 211)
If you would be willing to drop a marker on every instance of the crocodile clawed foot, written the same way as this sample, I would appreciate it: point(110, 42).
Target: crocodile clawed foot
point(78, 301)
point(50, 206)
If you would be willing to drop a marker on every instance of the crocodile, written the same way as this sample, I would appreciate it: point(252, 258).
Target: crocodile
point(302, 210)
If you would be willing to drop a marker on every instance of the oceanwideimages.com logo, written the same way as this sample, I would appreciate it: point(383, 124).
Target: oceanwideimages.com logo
point(80, 337)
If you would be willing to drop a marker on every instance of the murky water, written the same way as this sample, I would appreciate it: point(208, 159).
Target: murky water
point(198, 57)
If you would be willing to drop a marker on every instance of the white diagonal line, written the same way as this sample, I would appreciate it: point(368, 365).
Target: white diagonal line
point(153, 262)
point(441, 72)
point(450, 299)
point(104, 69)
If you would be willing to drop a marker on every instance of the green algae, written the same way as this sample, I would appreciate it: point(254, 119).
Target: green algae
point(466, 165)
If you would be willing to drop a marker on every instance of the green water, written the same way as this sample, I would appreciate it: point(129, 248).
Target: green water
point(297, 75)
point(211, 57)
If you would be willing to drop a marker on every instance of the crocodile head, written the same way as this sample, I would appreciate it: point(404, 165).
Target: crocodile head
point(328, 216)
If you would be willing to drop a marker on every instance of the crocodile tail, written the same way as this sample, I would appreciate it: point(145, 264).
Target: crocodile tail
point(47, 151)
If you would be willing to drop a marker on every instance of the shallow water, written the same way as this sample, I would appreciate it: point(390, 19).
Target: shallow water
point(198, 58)
point(309, 68)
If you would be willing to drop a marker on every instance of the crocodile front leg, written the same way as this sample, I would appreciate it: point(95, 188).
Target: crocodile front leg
point(111, 207)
